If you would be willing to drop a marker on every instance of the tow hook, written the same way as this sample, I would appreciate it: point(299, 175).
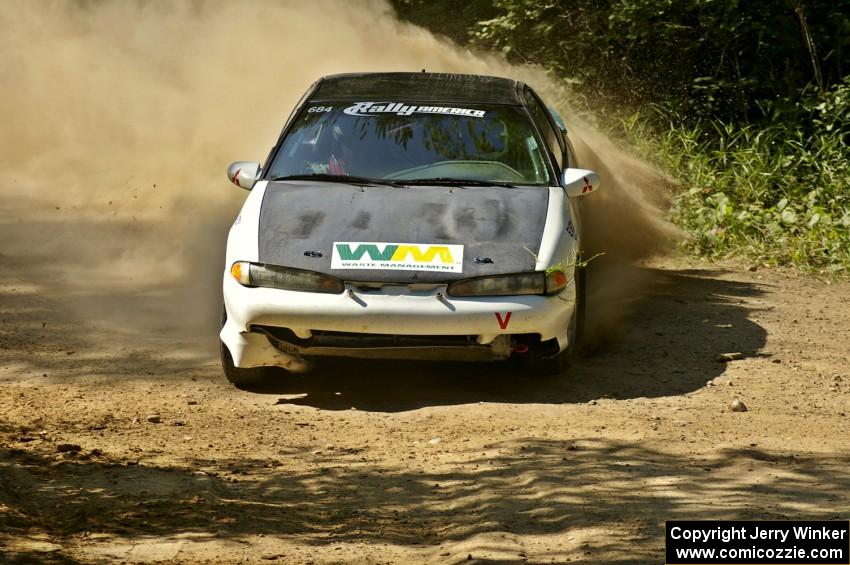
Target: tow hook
point(442, 298)
point(520, 348)
point(356, 298)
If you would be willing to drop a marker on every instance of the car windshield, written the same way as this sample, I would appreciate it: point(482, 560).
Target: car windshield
point(400, 142)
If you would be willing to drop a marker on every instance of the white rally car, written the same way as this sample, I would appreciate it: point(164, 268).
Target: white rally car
point(408, 216)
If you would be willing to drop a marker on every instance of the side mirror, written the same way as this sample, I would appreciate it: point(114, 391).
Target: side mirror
point(579, 181)
point(243, 173)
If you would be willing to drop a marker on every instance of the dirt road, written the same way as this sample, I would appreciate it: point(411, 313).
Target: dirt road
point(121, 443)
point(120, 440)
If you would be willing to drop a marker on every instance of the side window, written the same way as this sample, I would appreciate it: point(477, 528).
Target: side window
point(541, 117)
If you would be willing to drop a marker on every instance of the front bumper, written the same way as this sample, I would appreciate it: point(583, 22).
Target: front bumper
point(388, 311)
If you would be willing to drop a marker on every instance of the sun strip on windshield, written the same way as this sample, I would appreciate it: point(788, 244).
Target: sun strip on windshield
point(401, 109)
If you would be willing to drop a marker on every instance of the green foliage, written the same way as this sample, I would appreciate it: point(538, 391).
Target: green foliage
point(734, 59)
point(779, 194)
point(445, 17)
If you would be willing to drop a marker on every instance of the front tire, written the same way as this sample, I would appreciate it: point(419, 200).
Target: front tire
point(239, 377)
point(539, 360)
point(578, 340)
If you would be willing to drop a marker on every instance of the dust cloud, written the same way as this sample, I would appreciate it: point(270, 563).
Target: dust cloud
point(623, 224)
point(119, 118)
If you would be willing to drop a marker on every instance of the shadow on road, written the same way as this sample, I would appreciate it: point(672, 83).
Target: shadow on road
point(521, 487)
point(664, 339)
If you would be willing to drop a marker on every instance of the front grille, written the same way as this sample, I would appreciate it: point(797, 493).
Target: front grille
point(323, 338)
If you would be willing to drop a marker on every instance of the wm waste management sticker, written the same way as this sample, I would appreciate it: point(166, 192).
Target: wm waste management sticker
point(397, 256)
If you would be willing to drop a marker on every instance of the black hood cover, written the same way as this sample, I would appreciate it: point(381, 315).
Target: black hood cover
point(500, 228)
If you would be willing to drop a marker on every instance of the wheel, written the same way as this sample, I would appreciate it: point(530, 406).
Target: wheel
point(237, 376)
point(578, 341)
point(542, 360)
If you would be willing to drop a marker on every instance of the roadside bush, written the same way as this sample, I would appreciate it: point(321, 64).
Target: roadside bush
point(779, 194)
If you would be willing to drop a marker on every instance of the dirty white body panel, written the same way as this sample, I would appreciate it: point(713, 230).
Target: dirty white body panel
point(422, 310)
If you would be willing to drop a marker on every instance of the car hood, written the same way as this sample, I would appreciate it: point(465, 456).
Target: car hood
point(308, 224)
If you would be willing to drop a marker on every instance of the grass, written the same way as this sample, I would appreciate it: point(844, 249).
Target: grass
point(777, 194)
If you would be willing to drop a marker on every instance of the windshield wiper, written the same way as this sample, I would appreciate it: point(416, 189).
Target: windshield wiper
point(449, 181)
point(337, 178)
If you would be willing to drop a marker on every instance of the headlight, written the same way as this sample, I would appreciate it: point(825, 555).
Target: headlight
point(551, 282)
point(285, 278)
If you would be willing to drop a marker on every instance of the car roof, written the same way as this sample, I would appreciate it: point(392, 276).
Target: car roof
point(418, 87)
